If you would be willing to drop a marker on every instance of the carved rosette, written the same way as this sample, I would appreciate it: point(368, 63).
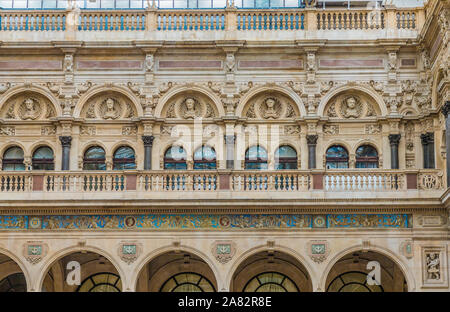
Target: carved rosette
point(223, 251)
point(318, 250)
point(129, 251)
point(34, 251)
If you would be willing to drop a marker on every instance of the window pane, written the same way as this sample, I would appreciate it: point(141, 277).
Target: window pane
point(62, 4)
point(291, 3)
point(137, 4)
point(262, 3)
point(180, 4)
point(164, 4)
point(124, 152)
point(93, 5)
point(255, 152)
point(95, 152)
point(285, 151)
point(49, 4)
point(366, 151)
point(109, 4)
point(13, 153)
point(219, 3)
point(43, 153)
point(249, 3)
point(6, 4)
point(20, 4)
point(34, 4)
point(337, 151)
point(176, 152)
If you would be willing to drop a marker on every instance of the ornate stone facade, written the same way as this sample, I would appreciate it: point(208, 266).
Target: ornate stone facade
point(295, 156)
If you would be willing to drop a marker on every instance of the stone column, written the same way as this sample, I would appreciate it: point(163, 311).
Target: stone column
point(446, 112)
point(394, 140)
point(312, 142)
point(65, 142)
point(148, 143)
point(428, 149)
point(229, 144)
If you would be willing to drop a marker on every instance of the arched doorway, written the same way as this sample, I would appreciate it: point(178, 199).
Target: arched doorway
point(271, 271)
point(12, 278)
point(97, 274)
point(351, 273)
point(176, 271)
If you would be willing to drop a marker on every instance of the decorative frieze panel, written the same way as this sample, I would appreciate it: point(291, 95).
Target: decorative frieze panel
point(434, 267)
point(48, 130)
point(204, 222)
point(7, 131)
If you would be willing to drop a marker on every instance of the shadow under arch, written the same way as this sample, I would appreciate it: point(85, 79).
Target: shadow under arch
point(177, 90)
point(74, 249)
point(167, 249)
point(21, 266)
point(345, 88)
point(374, 248)
point(94, 91)
point(36, 89)
point(270, 88)
point(282, 249)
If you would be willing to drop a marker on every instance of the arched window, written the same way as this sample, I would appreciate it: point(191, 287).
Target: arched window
point(187, 282)
point(13, 283)
point(353, 282)
point(175, 158)
point(271, 282)
point(43, 159)
point(285, 158)
point(337, 157)
point(124, 158)
point(101, 282)
point(256, 158)
point(366, 157)
point(13, 159)
point(94, 159)
point(205, 158)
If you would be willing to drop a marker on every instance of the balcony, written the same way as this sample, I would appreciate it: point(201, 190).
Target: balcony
point(229, 23)
point(205, 187)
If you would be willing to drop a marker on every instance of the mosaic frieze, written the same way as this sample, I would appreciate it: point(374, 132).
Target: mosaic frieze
point(205, 222)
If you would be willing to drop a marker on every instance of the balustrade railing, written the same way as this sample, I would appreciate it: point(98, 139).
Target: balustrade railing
point(32, 21)
point(191, 20)
point(111, 21)
point(270, 20)
point(364, 181)
point(270, 181)
point(83, 182)
point(353, 180)
point(351, 19)
point(177, 181)
point(211, 19)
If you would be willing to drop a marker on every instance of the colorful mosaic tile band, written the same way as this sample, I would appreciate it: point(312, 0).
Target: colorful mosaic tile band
point(204, 222)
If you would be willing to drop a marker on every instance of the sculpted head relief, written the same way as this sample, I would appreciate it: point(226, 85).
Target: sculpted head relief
point(351, 108)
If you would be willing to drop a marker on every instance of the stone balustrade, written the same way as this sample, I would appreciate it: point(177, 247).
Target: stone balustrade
point(212, 19)
point(376, 180)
